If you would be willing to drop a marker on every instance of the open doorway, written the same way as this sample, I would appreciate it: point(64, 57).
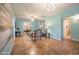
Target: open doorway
point(67, 28)
point(71, 27)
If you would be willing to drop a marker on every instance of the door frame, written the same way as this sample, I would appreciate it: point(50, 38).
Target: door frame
point(65, 35)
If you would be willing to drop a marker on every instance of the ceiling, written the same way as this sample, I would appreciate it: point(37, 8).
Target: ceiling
point(26, 10)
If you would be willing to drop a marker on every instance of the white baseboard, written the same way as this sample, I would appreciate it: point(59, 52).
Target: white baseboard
point(55, 38)
point(75, 39)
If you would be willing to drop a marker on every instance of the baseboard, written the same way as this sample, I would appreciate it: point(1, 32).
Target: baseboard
point(55, 38)
point(75, 39)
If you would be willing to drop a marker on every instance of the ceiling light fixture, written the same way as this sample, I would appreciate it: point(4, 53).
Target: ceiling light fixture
point(51, 6)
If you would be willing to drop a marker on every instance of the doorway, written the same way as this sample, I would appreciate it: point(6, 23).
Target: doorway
point(67, 28)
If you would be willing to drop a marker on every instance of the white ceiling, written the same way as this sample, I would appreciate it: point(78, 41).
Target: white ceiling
point(39, 9)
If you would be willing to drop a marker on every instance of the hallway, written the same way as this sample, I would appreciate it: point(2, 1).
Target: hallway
point(24, 46)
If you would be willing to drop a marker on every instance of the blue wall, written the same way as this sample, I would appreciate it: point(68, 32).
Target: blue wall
point(56, 29)
point(19, 23)
point(75, 30)
point(34, 25)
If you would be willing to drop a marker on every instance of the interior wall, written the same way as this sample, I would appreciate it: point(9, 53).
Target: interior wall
point(6, 36)
point(56, 29)
point(75, 30)
point(19, 24)
point(54, 26)
point(34, 25)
